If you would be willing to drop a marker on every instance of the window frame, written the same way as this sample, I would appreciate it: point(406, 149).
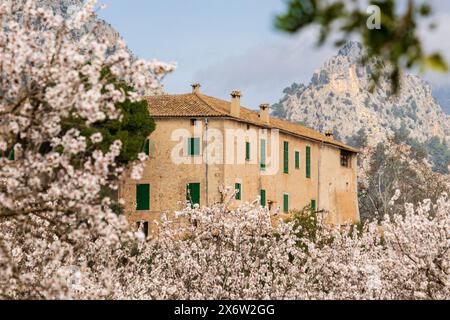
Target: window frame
point(191, 142)
point(308, 161)
point(262, 154)
point(297, 159)
point(238, 195)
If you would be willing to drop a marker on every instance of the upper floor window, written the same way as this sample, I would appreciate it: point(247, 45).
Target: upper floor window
point(262, 156)
point(345, 158)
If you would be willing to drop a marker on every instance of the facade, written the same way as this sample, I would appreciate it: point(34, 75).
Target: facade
point(202, 143)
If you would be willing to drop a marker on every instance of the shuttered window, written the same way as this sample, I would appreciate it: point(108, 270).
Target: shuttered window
point(247, 151)
point(11, 155)
point(313, 205)
point(142, 197)
point(308, 162)
point(143, 226)
point(286, 157)
point(297, 159)
point(286, 203)
point(237, 187)
point(263, 198)
point(146, 148)
point(194, 146)
point(193, 193)
point(262, 160)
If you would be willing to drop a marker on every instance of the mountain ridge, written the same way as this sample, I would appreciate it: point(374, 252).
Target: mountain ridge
point(338, 98)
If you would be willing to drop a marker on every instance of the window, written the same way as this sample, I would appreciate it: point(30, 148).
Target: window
point(285, 203)
point(297, 160)
point(263, 198)
point(262, 159)
point(194, 146)
point(237, 187)
point(11, 156)
point(313, 205)
point(247, 151)
point(345, 158)
point(193, 193)
point(143, 226)
point(146, 148)
point(286, 157)
point(308, 162)
point(142, 197)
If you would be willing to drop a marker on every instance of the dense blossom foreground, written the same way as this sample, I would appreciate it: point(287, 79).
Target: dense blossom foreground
point(62, 237)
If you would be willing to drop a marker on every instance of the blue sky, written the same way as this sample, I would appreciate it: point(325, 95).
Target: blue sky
point(232, 44)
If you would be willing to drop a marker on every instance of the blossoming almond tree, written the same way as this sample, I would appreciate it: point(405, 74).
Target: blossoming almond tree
point(50, 204)
point(218, 253)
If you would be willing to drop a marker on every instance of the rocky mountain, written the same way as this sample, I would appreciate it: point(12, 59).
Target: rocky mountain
point(338, 99)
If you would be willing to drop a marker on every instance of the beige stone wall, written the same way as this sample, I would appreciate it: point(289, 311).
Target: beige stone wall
point(168, 180)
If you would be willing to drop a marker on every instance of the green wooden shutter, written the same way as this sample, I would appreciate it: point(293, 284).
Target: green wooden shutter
point(285, 203)
point(308, 162)
point(263, 198)
point(237, 186)
point(146, 148)
point(313, 205)
point(11, 155)
point(262, 159)
point(247, 151)
point(286, 157)
point(142, 197)
point(297, 160)
point(194, 146)
point(193, 193)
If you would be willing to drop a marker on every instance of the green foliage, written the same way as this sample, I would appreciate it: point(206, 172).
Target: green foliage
point(397, 42)
point(359, 139)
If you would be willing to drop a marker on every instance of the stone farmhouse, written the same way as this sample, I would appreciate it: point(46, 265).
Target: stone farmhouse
point(202, 144)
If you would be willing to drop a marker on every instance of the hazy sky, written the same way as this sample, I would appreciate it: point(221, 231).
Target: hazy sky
point(232, 44)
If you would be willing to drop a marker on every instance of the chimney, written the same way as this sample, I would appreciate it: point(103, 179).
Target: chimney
point(264, 113)
point(235, 103)
point(329, 134)
point(196, 87)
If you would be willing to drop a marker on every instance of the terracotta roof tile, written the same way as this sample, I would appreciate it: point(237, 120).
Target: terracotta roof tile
point(200, 105)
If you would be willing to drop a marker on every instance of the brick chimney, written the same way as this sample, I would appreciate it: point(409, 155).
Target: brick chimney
point(235, 103)
point(264, 113)
point(196, 87)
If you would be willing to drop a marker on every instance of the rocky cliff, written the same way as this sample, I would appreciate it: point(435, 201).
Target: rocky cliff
point(338, 98)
